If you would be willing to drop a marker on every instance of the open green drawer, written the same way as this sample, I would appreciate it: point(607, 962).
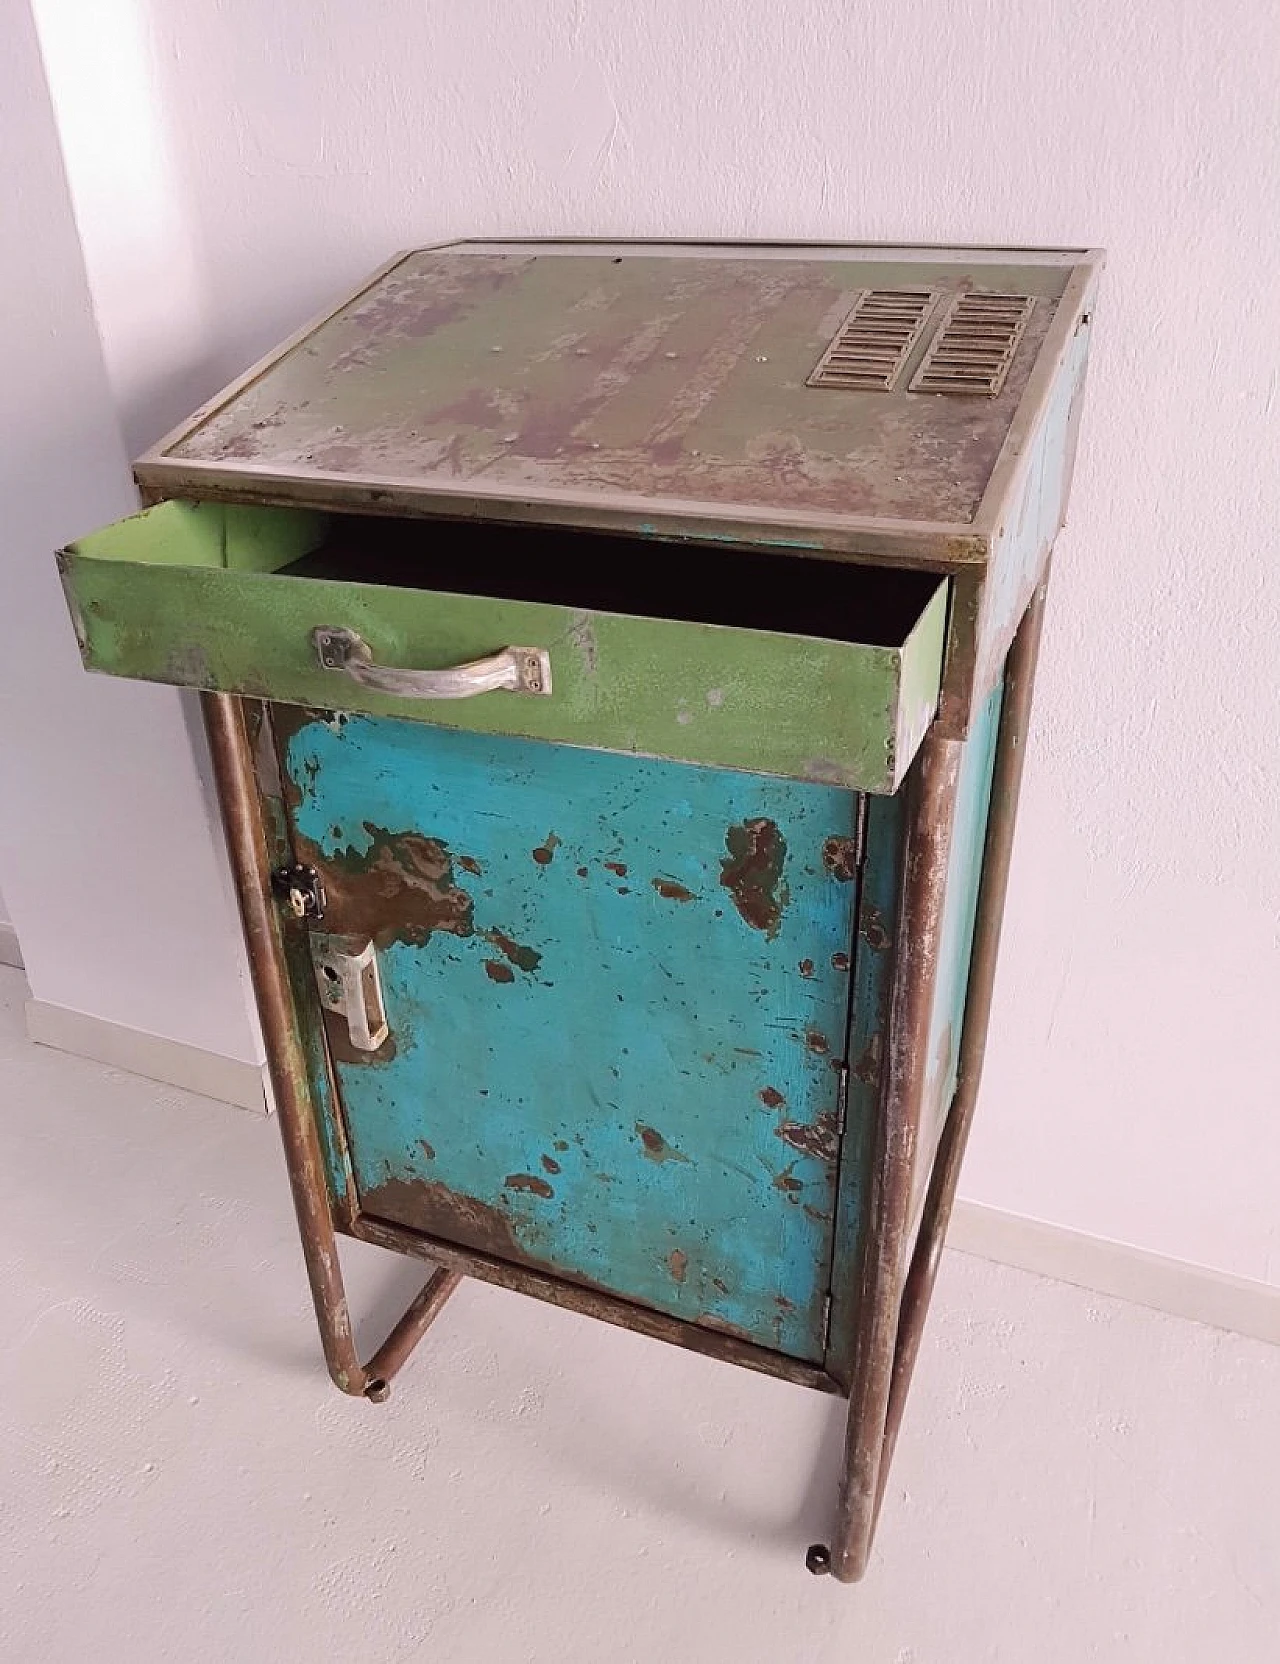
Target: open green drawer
point(804, 668)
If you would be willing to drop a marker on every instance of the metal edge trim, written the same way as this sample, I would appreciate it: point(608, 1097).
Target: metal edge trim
point(1036, 254)
point(930, 544)
point(1014, 455)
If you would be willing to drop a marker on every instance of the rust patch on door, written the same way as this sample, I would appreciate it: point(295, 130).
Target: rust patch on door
point(771, 1098)
point(496, 971)
point(678, 1264)
point(874, 932)
point(669, 890)
point(818, 1138)
point(523, 958)
point(752, 873)
point(428, 1206)
point(530, 1182)
point(840, 858)
point(401, 889)
point(867, 1067)
point(545, 852)
point(655, 1145)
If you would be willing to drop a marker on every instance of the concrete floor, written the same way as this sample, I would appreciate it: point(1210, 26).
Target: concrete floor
point(1078, 1479)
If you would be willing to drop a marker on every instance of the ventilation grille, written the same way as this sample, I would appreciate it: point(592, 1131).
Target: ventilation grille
point(875, 340)
point(974, 347)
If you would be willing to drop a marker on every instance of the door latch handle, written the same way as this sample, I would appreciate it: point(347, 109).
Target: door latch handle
point(347, 977)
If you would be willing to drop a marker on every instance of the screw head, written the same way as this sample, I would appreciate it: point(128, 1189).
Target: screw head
point(818, 1559)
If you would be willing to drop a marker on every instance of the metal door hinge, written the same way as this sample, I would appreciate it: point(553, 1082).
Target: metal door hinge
point(301, 890)
point(842, 1098)
point(860, 831)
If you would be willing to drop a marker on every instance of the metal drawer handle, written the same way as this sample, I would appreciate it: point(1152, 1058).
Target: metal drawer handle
point(517, 669)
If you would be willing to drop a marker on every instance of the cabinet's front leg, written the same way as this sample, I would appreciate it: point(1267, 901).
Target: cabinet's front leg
point(290, 1081)
point(1006, 786)
point(893, 1306)
point(915, 972)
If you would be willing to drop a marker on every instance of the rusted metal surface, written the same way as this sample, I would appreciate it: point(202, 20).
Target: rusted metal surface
point(236, 774)
point(906, 1070)
point(1006, 788)
point(286, 1061)
point(589, 1302)
point(871, 995)
point(955, 941)
point(394, 1353)
point(561, 377)
point(752, 873)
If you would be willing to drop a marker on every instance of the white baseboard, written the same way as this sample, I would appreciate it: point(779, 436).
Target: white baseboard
point(1135, 1274)
point(150, 1055)
point(10, 952)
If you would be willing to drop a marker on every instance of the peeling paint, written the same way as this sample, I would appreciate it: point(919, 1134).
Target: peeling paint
point(530, 1182)
point(818, 1139)
point(655, 1145)
point(752, 873)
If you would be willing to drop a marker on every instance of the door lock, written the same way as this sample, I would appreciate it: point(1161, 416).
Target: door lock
point(301, 889)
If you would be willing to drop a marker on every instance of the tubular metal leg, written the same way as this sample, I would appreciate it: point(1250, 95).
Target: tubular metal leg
point(894, 1307)
point(915, 975)
point(1006, 786)
point(286, 1063)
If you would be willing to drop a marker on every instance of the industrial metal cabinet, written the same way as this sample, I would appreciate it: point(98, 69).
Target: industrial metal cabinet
point(617, 661)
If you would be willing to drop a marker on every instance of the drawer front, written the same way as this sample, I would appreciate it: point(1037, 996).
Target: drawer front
point(616, 996)
point(194, 595)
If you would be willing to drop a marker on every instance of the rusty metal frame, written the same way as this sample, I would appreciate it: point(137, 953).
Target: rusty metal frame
point(596, 1303)
point(895, 1296)
point(229, 747)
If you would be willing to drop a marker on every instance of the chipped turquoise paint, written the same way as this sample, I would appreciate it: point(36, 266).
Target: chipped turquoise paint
point(872, 994)
point(623, 1074)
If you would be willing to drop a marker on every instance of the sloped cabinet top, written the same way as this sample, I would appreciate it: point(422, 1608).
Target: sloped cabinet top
point(751, 393)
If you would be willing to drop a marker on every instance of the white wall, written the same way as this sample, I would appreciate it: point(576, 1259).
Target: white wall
point(1132, 1086)
point(110, 872)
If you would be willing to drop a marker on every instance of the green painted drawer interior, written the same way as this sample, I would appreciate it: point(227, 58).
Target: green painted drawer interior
point(790, 666)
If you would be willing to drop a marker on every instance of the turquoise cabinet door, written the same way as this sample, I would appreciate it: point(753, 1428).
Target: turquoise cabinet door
point(617, 992)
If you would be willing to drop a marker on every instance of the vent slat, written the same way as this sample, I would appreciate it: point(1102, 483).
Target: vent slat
point(873, 343)
point(974, 345)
